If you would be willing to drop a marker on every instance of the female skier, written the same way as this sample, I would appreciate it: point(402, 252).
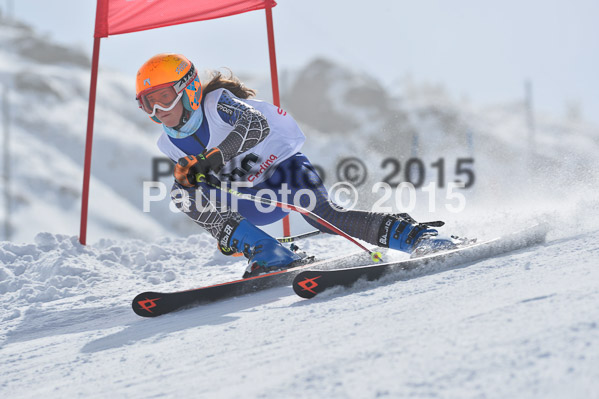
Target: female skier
point(216, 130)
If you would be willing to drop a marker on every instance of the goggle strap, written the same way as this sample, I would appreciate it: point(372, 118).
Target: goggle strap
point(185, 80)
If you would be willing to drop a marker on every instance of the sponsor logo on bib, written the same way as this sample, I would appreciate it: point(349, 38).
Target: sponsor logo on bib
point(263, 167)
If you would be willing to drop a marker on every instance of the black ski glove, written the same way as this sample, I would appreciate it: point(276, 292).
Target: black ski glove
point(188, 167)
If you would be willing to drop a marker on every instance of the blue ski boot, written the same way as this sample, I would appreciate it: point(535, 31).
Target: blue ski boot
point(265, 254)
point(403, 233)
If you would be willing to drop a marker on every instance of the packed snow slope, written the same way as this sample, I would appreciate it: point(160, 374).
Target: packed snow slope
point(522, 325)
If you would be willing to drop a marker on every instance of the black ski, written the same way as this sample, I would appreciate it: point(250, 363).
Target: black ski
point(309, 283)
point(152, 304)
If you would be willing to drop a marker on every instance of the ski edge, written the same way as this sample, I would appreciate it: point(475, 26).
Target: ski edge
point(306, 286)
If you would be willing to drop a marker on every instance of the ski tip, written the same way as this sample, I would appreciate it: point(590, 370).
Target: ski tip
point(307, 285)
point(146, 304)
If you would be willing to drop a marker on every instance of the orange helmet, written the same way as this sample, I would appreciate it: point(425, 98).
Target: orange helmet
point(165, 79)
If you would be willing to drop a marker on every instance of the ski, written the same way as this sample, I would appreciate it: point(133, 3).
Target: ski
point(309, 283)
point(152, 304)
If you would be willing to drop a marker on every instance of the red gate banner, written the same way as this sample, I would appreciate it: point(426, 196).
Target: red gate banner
point(114, 17)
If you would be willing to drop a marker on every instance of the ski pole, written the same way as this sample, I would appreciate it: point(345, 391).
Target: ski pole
point(374, 255)
point(299, 236)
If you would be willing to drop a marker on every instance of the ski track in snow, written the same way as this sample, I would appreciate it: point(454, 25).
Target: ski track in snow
point(521, 325)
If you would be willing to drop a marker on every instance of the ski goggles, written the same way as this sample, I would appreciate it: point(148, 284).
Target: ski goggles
point(163, 97)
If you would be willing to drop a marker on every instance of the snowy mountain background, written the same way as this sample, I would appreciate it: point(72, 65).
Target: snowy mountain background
point(520, 325)
point(343, 113)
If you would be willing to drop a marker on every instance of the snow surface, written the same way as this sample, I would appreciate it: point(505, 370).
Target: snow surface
point(522, 325)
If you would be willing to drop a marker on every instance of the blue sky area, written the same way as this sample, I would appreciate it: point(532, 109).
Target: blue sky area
point(484, 51)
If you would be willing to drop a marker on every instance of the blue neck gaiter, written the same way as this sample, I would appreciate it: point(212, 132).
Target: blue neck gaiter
point(194, 122)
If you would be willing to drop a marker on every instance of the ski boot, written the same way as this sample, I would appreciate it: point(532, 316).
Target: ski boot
point(403, 233)
point(265, 254)
point(434, 242)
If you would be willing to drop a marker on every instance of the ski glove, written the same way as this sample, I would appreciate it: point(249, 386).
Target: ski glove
point(188, 167)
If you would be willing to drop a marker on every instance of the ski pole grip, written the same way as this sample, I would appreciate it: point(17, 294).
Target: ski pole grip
point(200, 177)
